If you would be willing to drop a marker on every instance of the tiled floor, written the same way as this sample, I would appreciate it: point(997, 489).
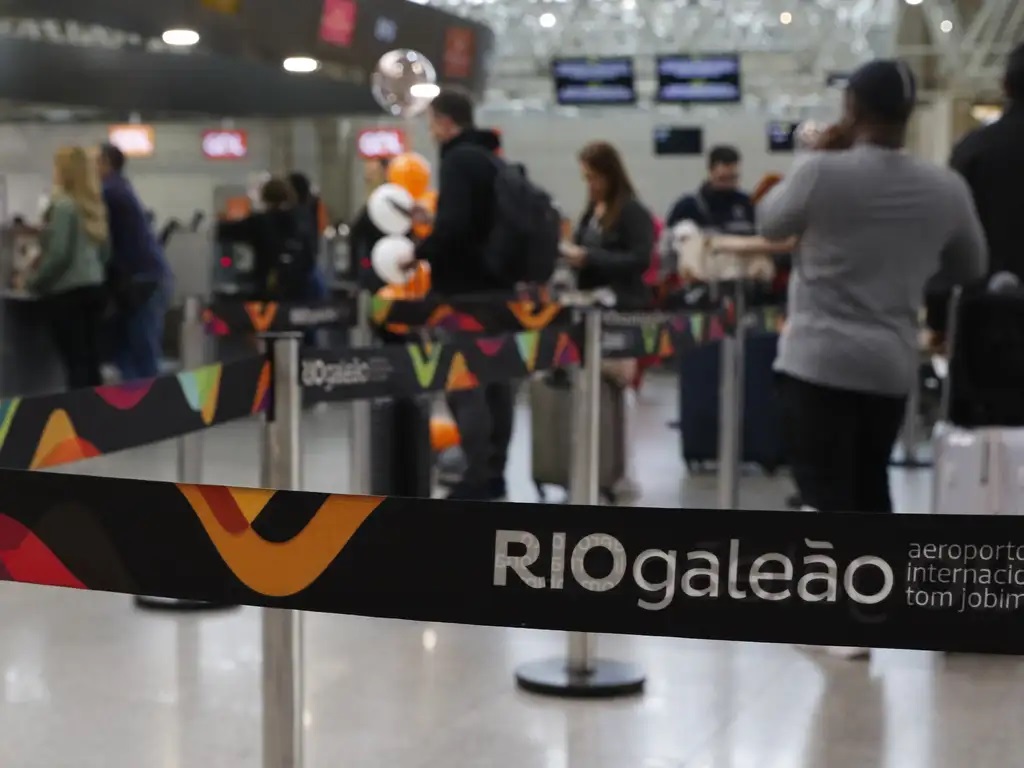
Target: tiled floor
point(89, 681)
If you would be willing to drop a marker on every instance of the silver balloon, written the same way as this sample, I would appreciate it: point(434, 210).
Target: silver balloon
point(808, 133)
point(404, 82)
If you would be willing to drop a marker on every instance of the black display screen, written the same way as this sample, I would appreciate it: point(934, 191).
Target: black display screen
point(669, 140)
point(782, 136)
point(710, 78)
point(582, 82)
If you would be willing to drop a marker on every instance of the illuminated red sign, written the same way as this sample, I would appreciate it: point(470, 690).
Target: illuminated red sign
point(224, 144)
point(338, 22)
point(380, 142)
point(459, 49)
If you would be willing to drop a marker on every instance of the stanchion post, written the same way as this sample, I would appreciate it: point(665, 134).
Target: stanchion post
point(193, 355)
point(192, 346)
point(581, 674)
point(283, 671)
point(360, 410)
point(730, 406)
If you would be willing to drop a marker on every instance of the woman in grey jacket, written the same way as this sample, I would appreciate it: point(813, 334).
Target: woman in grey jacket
point(70, 272)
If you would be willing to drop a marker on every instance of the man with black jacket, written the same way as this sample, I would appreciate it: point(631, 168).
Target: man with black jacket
point(991, 159)
point(455, 251)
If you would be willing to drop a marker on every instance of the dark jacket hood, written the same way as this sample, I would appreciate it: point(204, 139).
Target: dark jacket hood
point(486, 139)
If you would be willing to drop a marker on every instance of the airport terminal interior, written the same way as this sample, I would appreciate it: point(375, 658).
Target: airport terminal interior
point(214, 107)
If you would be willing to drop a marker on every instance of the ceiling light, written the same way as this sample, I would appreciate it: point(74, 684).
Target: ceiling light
point(913, 2)
point(182, 37)
point(301, 64)
point(548, 20)
point(424, 90)
point(786, 17)
point(946, 26)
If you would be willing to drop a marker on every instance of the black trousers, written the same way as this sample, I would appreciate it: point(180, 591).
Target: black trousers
point(484, 416)
point(74, 319)
point(839, 444)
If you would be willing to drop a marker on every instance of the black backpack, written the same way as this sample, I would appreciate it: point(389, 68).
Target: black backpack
point(523, 244)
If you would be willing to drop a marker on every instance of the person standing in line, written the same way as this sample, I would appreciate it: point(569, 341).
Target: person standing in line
point(310, 212)
point(873, 224)
point(991, 160)
point(69, 274)
point(138, 275)
point(456, 251)
point(719, 204)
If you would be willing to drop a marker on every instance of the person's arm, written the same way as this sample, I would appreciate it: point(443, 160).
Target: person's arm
point(57, 241)
point(453, 220)
point(638, 235)
point(784, 211)
point(965, 255)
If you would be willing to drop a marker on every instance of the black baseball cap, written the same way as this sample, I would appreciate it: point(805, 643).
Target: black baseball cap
point(885, 89)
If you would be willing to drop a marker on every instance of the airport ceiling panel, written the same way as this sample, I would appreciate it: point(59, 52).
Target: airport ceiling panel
point(109, 53)
point(812, 37)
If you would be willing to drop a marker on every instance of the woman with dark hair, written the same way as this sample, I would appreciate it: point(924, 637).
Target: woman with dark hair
point(614, 238)
point(280, 244)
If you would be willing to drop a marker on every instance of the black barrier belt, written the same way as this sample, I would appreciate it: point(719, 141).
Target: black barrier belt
point(953, 583)
point(226, 316)
point(460, 362)
point(49, 430)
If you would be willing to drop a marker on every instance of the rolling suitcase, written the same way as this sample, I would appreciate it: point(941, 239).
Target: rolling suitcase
point(699, 385)
point(401, 459)
point(551, 408)
point(979, 445)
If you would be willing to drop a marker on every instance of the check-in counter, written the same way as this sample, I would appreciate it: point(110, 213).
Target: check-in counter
point(29, 364)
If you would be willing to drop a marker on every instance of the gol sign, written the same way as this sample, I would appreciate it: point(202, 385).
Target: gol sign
point(374, 143)
point(225, 144)
point(132, 139)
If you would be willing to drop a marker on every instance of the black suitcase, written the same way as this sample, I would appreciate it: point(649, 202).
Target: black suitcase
point(401, 460)
point(699, 385)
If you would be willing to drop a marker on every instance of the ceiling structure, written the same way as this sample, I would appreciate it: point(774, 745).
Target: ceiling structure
point(789, 47)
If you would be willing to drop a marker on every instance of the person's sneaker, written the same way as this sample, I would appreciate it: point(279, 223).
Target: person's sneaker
point(463, 491)
point(497, 489)
point(847, 652)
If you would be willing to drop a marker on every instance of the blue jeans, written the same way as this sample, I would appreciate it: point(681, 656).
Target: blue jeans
point(139, 337)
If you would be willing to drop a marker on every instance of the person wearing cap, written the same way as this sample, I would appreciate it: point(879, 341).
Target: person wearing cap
point(991, 160)
point(874, 223)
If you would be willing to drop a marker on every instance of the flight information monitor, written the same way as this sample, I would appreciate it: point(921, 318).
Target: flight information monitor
point(699, 79)
point(589, 82)
point(676, 140)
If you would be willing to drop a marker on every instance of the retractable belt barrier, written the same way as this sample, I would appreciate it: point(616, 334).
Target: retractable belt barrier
point(952, 583)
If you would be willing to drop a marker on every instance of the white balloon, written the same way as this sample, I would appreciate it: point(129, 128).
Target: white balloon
point(391, 258)
point(390, 209)
point(404, 82)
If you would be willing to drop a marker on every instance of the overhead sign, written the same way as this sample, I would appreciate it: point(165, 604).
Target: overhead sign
point(66, 32)
point(224, 144)
point(374, 143)
point(135, 140)
point(338, 22)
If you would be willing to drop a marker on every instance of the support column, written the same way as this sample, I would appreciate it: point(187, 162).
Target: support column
point(335, 149)
point(282, 149)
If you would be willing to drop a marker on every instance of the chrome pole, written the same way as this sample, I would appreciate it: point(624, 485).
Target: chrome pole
point(361, 335)
point(730, 407)
point(283, 672)
point(586, 463)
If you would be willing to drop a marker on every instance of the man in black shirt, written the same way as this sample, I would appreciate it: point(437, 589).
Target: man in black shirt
point(719, 204)
point(991, 159)
point(455, 250)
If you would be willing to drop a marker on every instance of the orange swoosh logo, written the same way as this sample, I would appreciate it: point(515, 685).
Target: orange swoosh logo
point(532, 319)
point(261, 315)
point(277, 569)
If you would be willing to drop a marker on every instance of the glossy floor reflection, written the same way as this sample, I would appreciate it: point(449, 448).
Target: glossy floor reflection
point(88, 681)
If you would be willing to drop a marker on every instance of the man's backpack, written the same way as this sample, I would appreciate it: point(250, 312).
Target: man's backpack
point(523, 244)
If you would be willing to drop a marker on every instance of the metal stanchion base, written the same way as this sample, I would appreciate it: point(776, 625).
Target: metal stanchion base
point(170, 604)
point(606, 680)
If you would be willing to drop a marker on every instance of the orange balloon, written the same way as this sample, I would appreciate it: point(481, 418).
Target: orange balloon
point(443, 435)
point(410, 171)
point(428, 203)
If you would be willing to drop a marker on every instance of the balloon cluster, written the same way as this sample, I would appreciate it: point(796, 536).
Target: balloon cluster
point(404, 205)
